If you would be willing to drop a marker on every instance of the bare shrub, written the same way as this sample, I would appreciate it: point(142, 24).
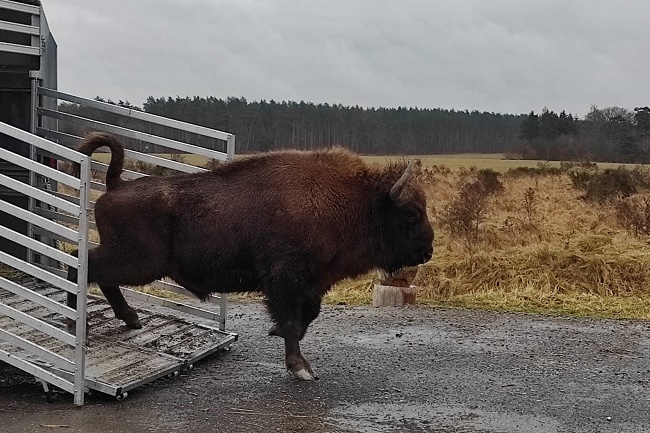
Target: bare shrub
point(543, 168)
point(530, 205)
point(603, 186)
point(465, 213)
point(489, 181)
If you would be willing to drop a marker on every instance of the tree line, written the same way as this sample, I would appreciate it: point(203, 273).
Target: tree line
point(263, 125)
point(611, 134)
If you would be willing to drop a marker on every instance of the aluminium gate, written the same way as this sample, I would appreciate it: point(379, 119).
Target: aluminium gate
point(33, 337)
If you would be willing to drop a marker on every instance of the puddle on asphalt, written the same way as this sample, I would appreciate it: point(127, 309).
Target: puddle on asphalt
point(405, 417)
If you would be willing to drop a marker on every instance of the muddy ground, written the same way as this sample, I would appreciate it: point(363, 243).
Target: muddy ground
point(415, 369)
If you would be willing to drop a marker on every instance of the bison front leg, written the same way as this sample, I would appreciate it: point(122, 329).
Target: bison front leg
point(291, 324)
point(295, 362)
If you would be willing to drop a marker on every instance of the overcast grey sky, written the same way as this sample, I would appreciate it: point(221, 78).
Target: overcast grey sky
point(491, 55)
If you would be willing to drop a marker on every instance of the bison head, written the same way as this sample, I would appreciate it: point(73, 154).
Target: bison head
point(406, 231)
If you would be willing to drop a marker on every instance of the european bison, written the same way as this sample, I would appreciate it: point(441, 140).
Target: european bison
point(288, 224)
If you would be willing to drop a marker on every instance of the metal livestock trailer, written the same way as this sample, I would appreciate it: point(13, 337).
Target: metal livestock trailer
point(46, 212)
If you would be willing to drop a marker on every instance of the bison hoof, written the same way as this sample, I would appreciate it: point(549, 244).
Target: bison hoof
point(303, 374)
point(134, 325)
point(130, 317)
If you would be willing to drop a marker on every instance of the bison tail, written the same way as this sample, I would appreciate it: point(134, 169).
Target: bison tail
point(94, 141)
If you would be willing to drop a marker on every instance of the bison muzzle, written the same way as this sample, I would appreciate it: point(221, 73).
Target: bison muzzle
point(288, 224)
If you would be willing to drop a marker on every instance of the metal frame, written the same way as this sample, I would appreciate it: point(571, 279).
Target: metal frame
point(71, 141)
point(75, 385)
point(68, 218)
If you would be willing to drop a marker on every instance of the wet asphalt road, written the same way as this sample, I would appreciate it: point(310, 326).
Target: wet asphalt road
point(414, 369)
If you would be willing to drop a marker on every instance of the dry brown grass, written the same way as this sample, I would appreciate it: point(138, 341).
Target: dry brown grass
point(541, 249)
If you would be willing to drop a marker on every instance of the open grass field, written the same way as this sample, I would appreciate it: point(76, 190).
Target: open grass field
point(538, 245)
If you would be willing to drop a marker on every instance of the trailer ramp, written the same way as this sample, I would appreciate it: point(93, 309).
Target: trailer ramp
point(118, 358)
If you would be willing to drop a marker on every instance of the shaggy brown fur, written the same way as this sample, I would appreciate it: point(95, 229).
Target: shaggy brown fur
point(289, 224)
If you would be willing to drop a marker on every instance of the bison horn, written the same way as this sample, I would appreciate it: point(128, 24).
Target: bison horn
point(396, 190)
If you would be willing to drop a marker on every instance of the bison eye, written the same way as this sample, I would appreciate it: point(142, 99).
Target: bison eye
point(412, 215)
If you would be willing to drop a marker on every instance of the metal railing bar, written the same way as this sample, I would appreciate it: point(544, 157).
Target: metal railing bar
point(60, 272)
point(19, 28)
point(39, 168)
point(20, 7)
point(44, 223)
point(178, 306)
point(141, 115)
point(40, 142)
point(37, 246)
point(39, 231)
point(44, 301)
point(19, 49)
point(126, 174)
point(68, 140)
point(67, 198)
point(98, 186)
point(57, 216)
point(37, 350)
point(48, 154)
point(163, 162)
point(37, 324)
point(36, 371)
point(37, 272)
point(161, 141)
point(175, 288)
point(62, 217)
point(47, 197)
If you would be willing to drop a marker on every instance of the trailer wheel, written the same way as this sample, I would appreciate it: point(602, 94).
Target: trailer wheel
point(122, 396)
point(187, 368)
point(173, 375)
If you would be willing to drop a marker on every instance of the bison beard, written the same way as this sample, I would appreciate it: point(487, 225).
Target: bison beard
point(288, 224)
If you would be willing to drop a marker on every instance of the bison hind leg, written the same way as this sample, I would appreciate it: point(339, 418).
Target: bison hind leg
point(112, 294)
point(121, 308)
